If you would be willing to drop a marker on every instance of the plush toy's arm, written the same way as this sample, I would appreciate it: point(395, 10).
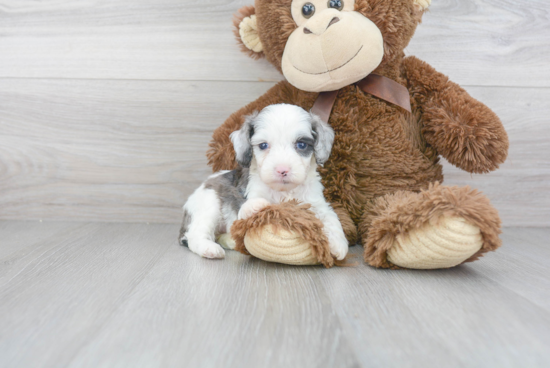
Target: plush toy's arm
point(463, 130)
point(221, 155)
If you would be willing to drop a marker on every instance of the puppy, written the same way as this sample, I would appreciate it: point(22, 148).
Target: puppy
point(278, 151)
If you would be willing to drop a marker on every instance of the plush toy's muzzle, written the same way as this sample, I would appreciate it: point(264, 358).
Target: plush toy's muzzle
point(332, 49)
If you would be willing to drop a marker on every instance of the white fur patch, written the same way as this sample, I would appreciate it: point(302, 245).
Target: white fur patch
point(204, 207)
point(281, 127)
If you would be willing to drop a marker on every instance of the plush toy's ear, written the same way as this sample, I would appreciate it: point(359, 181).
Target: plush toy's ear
point(246, 32)
point(422, 5)
point(241, 141)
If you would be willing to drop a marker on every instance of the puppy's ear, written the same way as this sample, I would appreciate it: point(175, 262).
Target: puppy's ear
point(241, 141)
point(324, 137)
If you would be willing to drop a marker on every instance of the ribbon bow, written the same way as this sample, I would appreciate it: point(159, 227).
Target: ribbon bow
point(374, 84)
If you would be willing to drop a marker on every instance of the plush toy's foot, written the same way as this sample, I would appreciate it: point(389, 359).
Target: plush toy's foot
point(280, 246)
point(443, 244)
point(440, 227)
point(285, 233)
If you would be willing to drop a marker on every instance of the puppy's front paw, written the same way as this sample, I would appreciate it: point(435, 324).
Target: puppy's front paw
point(338, 247)
point(206, 248)
point(251, 207)
point(226, 241)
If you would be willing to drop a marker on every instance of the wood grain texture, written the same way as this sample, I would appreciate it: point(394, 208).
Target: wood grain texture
point(126, 295)
point(58, 293)
point(476, 42)
point(108, 150)
point(134, 150)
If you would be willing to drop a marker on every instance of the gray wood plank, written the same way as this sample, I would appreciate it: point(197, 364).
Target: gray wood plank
point(476, 42)
point(16, 236)
point(55, 298)
point(126, 295)
point(521, 265)
point(128, 39)
point(134, 150)
point(452, 318)
point(108, 150)
point(232, 313)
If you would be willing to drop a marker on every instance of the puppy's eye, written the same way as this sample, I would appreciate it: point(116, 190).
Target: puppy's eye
point(301, 145)
point(336, 4)
point(263, 146)
point(308, 10)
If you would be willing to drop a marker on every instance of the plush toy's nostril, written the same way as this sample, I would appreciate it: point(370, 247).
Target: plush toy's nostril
point(333, 21)
point(318, 30)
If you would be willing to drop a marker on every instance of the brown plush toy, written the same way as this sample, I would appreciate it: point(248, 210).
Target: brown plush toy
point(393, 117)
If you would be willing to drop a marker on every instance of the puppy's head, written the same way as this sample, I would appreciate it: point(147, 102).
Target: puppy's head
point(283, 141)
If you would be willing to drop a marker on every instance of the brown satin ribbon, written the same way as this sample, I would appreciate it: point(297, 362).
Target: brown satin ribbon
point(377, 85)
point(323, 105)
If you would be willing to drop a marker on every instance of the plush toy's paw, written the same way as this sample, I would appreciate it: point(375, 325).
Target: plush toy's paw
point(440, 227)
point(443, 244)
point(251, 207)
point(284, 233)
point(278, 245)
point(206, 248)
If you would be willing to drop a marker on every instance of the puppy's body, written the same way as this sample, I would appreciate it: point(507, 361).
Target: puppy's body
point(211, 210)
point(278, 150)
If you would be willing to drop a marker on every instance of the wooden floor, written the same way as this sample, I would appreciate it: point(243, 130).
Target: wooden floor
point(126, 295)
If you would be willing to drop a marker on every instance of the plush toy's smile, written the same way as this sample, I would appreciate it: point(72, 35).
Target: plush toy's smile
point(331, 70)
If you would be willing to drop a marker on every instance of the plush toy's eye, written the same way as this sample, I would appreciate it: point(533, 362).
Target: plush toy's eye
point(308, 10)
point(263, 146)
point(301, 145)
point(336, 4)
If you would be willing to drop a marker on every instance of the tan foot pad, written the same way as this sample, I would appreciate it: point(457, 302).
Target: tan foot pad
point(446, 244)
point(281, 247)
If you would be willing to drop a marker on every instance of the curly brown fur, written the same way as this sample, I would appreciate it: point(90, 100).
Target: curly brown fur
point(396, 19)
point(347, 224)
point(367, 160)
point(292, 217)
point(399, 212)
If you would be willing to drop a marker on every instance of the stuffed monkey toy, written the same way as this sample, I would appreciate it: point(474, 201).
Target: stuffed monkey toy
point(393, 117)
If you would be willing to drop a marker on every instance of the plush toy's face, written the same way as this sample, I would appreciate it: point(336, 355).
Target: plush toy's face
point(324, 45)
point(332, 47)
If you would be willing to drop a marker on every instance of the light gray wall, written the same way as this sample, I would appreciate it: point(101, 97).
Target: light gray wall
point(107, 107)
